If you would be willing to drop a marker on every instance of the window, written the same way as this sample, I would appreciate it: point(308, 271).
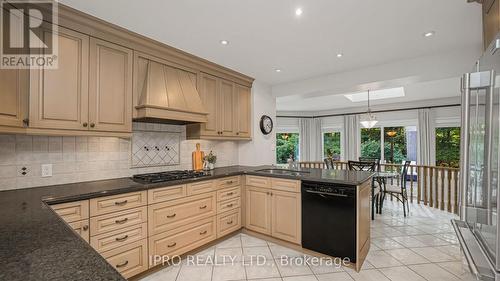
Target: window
point(286, 144)
point(331, 145)
point(370, 143)
point(395, 144)
point(448, 147)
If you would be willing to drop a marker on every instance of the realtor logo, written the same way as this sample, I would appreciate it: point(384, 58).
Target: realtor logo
point(28, 34)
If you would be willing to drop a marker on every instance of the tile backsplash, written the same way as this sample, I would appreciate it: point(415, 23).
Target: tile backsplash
point(77, 159)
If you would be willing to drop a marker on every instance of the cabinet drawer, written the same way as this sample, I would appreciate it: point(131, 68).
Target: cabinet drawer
point(73, 211)
point(228, 193)
point(200, 187)
point(172, 214)
point(82, 228)
point(119, 220)
point(163, 194)
point(118, 238)
point(115, 203)
point(183, 239)
point(130, 259)
point(228, 205)
point(228, 222)
point(285, 185)
point(258, 181)
point(228, 182)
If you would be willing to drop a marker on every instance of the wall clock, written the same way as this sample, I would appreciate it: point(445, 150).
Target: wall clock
point(266, 124)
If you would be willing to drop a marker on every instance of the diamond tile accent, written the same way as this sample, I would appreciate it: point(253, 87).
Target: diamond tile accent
point(154, 148)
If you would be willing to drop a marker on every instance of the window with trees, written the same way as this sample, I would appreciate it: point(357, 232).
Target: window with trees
point(448, 147)
point(370, 143)
point(287, 144)
point(394, 144)
point(331, 145)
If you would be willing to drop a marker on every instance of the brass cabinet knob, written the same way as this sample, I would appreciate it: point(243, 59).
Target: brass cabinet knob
point(85, 228)
point(92, 125)
point(85, 124)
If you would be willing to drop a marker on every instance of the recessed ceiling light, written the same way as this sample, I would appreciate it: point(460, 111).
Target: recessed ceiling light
point(339, 55)
point(298, 11)
point(278, 70)
point(429, 33)
point(224, 42)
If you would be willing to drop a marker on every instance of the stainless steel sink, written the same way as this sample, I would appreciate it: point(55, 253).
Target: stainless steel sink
point(283, 172)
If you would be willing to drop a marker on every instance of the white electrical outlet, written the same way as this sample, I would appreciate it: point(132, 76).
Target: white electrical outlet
point(46, 170)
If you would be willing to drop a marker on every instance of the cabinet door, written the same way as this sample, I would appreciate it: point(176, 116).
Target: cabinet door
point(491, 20)
point(243, 111)
point(110, 87)
point(258, 210)
point(13, 93)
point(226, 108)
point(209, 98)
point(286, 216)
point(59, 97)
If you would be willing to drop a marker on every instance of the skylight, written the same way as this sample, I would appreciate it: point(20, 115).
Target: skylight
point(376, 94)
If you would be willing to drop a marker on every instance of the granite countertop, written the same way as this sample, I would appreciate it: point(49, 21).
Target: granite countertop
point(35, 244)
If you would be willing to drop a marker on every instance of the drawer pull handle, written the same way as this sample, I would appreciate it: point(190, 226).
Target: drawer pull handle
point(203, 207)
point(121, 203)
point(229, 182)
point(229, 205)
point(171, 216)
point(121, 221)
point(172, 245)
point(229, 193)
point(122, 264)
point(120, 239)
point(203, 232)
point(85, 228)
point(230, 222)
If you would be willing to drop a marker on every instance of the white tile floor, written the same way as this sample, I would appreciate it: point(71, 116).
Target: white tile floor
point(421, 247)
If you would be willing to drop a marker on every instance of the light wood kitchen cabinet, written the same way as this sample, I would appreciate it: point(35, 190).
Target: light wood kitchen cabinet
point(243, 111)
point(130, 259)
point(229, 108)
point(272, 211)
point(14, 93)
point(491, 21)
point(286, 216)
point(82, 228)
point(110, 87)
point(258, 209)
point(59, 97)
point(73, 211)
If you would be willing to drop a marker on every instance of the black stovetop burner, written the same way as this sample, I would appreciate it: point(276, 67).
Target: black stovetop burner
point(169, 176)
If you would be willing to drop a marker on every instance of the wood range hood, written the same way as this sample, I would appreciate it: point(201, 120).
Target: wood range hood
point(166, 94)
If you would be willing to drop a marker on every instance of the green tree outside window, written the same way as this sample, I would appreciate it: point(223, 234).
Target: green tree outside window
point(286, 145)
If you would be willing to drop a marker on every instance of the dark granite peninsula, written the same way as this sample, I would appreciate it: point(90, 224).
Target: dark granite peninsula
point(36, 244)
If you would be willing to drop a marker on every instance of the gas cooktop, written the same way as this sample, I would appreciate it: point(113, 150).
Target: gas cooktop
point(169, 176)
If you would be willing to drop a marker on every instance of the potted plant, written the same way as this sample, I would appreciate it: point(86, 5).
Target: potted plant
point(210, 160)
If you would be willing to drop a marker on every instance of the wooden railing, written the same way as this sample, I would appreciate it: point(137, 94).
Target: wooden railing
point(433, 186)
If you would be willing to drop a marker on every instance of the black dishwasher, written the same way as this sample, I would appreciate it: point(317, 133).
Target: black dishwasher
point(329, 219)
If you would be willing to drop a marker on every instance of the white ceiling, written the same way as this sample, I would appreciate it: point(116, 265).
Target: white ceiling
point(266, 34)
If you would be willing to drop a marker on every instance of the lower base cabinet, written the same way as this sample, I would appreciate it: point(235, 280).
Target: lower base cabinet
point(228, 222)
point(130, 259)
point(182, 239)
point(274, 212)
point(82, 228)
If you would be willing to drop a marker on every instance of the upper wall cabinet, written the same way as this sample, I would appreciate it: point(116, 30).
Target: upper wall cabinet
point(491, 20)
point(13, 93)
point(90, 91)
point(59, 97)
point(110, 87)
point(229, 108)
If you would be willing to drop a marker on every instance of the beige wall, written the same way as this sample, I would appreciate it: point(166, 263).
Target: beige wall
point(78, 159)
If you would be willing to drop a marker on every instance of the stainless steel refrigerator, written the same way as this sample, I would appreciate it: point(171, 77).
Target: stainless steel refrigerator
point(478, 227)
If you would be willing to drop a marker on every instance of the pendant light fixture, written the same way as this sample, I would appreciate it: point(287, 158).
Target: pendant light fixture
point(369, 121)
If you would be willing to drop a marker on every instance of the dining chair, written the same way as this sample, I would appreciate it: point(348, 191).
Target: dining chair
point(400, 192)
point(328, 163)
point(369, 166)
point(367, 159)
